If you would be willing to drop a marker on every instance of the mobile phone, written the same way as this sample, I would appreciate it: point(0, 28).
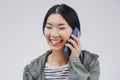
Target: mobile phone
point(67, 50)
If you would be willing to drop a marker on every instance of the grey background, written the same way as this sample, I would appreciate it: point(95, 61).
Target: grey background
point(21, 38)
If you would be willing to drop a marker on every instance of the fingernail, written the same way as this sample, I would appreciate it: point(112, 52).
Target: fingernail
point(66, 44)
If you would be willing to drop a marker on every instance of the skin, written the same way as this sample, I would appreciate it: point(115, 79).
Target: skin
point(57, 33)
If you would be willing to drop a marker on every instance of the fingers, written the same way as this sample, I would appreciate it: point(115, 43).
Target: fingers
point(75, 41)
point(70, 46)
point(76, 38)
point(75, 47)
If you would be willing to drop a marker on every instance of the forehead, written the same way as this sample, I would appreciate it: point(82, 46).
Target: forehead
point(56, 18)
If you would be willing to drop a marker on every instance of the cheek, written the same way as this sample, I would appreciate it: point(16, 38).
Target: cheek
point(46, 33)
point(66, 35)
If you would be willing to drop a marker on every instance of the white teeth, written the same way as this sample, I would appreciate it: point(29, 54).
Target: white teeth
point(54, 41)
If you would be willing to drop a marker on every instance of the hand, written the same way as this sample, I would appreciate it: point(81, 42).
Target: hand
point(75, 47)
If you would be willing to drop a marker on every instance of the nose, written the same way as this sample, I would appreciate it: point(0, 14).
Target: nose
point(54, 33)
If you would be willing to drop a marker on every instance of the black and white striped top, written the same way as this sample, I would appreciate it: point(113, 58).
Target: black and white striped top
point(56, 73)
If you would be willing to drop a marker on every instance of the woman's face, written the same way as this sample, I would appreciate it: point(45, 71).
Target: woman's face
point(57, 31)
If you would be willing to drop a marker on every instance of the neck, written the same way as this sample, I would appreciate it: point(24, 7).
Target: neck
point(57, 58)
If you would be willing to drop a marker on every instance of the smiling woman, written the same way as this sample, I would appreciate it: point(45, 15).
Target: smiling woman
point(58, 26)
point(57, 31)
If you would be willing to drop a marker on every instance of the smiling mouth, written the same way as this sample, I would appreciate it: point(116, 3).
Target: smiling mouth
point(56, 42)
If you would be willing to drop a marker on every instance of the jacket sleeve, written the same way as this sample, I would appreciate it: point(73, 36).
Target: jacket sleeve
point(88, 69)
point(27, 74)
point(94, 70)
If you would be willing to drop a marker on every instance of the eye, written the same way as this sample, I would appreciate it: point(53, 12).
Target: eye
point(48, 27)
point(62, 28)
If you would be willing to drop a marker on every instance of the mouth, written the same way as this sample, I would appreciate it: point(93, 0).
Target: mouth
point(56, 42)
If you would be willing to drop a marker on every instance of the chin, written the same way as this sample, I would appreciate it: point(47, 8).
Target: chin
point(57, 49)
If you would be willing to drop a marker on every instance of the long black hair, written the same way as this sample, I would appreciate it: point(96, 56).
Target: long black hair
point(68, 14)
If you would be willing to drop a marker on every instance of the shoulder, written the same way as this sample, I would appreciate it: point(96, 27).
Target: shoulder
point(88, 59)
point(87, 54)
point(36, 64)
point(34, 68)
point(40, 59)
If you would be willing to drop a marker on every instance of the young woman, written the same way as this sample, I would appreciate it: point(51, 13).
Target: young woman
point(58, 26)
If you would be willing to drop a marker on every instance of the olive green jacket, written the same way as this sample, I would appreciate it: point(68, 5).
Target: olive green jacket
point(86, 67)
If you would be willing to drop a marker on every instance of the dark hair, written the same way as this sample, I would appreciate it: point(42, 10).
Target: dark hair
point(67, 12)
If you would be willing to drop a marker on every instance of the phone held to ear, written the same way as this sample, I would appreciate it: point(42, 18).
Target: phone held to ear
point(67, 50)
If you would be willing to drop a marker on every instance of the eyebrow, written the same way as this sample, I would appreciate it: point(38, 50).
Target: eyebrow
point(60, 24)
point(49, 23)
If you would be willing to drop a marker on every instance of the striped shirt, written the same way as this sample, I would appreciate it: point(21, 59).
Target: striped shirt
point(56, 73)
